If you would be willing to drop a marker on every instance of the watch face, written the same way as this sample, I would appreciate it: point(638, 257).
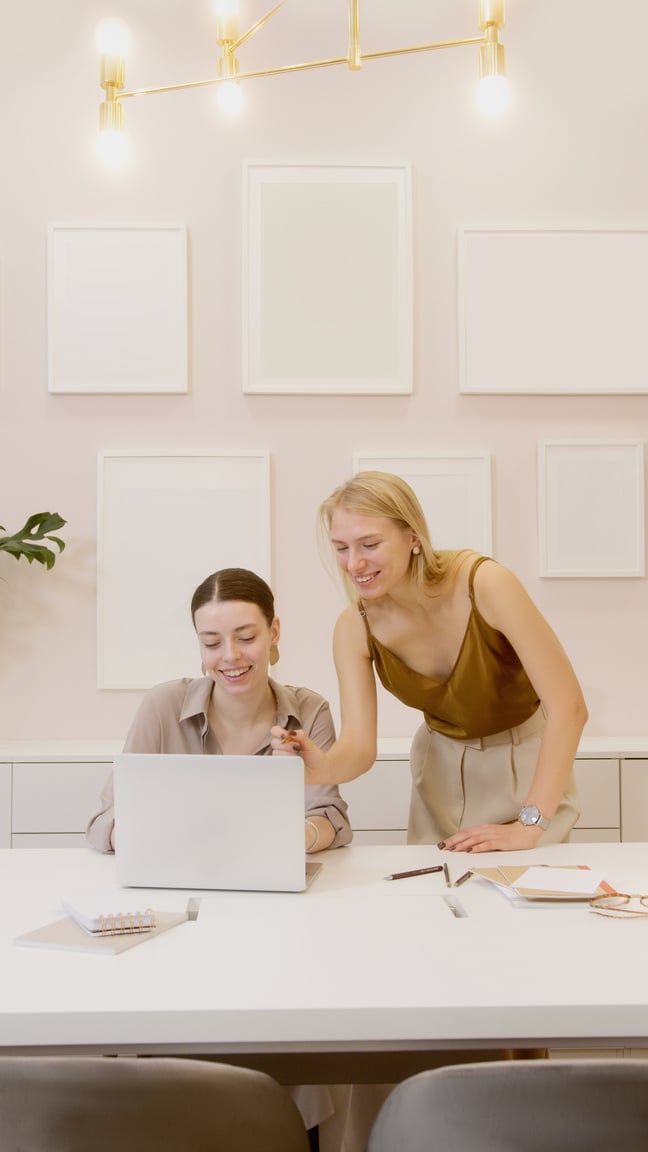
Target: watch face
point(530, 815)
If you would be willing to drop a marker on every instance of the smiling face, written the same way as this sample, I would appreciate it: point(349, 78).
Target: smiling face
point(373, 551)
point(235, 641)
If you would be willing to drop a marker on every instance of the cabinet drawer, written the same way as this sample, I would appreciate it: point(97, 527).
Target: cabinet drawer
point(634, 800)
point(5, 805)
point(598, 790)
point(56, 797)
point(380, 836)
point(60, 840)
point(379, 798)
point(595, 835)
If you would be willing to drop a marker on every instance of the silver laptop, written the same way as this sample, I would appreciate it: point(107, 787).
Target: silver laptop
point(230, 822)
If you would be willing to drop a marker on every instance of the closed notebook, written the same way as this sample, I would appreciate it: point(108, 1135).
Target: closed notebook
point(67, 935)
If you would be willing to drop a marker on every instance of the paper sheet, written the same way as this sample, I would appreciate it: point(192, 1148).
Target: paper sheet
point(570, 881)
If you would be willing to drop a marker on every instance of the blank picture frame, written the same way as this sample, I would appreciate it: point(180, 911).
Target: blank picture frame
point(454, 489)
point(166, 520)
point(591, 508)
point(552, 310)
point(327, 279)
point(117, 308)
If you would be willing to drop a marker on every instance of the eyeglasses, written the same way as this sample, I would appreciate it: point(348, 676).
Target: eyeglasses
point(620, 905)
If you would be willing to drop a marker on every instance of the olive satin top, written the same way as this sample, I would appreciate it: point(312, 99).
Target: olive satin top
point(487, 691)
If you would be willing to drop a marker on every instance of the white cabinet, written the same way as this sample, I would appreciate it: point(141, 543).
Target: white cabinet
point(379, 802)
point(5, 805)
point(49, 790)
point(634, 798)
point(599, 799)
point(53, 801)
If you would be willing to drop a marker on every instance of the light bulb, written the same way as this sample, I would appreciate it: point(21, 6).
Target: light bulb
point(112, 149)
point(112, 38)
point(493, 95)
point(229, 97)
point(223, 9)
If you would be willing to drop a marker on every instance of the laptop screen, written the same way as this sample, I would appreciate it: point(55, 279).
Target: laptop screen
point(210, 822)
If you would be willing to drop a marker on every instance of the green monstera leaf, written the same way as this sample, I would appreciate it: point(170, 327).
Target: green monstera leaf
point(25, 542)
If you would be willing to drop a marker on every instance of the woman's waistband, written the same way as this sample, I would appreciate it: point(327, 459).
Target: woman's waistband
point(514, 735)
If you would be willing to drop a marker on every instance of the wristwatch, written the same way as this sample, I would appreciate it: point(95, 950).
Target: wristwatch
point(531, 816)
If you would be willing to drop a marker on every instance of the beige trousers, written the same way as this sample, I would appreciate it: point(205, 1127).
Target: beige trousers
point(461, 783)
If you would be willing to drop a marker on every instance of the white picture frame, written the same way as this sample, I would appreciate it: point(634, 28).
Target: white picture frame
point(117, 308)
point(166, 520)
point(454, 489)
point(557, 311)
point(327, 279)
point(591, 508)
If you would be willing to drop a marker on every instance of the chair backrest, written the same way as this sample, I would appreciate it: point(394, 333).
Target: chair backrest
point(165, 1104)
point(518, 1106)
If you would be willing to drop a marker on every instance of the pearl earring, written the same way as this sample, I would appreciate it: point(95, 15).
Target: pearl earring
point(415, 550)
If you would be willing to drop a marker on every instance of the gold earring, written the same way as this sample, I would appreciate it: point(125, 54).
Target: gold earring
point(274, 655)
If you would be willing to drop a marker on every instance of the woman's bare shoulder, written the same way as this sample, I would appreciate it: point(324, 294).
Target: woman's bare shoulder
point(499, 592)
point(350, 630)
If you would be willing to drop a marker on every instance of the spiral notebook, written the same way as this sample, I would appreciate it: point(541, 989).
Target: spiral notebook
point(211, 822)
point(67, 934)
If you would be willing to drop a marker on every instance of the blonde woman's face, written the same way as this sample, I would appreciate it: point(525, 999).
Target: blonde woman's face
point(374, 551)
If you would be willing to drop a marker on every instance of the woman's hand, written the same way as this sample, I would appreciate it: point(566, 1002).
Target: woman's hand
point(287, 743)
point(493, 838)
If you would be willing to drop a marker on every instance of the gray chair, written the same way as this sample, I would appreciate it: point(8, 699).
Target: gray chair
point(518, 1106)
point(99, 1104)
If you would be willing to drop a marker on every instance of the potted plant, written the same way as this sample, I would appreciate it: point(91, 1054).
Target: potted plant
point(26, 541)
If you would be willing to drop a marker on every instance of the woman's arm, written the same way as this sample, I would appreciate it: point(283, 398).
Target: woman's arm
point(144, 736)
point(354, 752)
point(506, 606)
point(101, 826)
point(327, 823)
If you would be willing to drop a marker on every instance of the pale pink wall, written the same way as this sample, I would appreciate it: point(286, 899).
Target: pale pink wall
point(572, 153)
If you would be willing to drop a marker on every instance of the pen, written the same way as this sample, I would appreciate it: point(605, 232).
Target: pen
point(462, 879)
point(415, 872)
point(447, 876)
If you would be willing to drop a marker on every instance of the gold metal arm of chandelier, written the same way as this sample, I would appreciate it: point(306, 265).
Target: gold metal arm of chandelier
point(112, 66)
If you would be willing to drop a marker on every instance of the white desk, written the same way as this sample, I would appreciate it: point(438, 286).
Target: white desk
point(356, 964)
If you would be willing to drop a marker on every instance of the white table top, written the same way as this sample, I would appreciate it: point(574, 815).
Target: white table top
point(354, 963)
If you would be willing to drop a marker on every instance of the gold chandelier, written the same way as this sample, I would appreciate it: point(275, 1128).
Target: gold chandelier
point(112, 40)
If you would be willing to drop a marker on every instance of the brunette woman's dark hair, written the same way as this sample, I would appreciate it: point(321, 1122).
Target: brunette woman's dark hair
point(234, 584)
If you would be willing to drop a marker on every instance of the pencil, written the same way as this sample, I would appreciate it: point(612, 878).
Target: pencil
point(447, 876)
point(462, 879)
point(414, 872)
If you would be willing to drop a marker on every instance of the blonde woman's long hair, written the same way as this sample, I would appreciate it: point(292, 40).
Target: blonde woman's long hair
point(384, 494)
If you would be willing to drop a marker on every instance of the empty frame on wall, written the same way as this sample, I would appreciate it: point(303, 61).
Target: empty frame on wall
point(591, 509)
point(454, 490)
point(117, 308)
point(166, 520)
point(552, 311)
point(327, 279)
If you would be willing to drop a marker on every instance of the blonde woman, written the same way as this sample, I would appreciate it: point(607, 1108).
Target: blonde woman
point(455, 635)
